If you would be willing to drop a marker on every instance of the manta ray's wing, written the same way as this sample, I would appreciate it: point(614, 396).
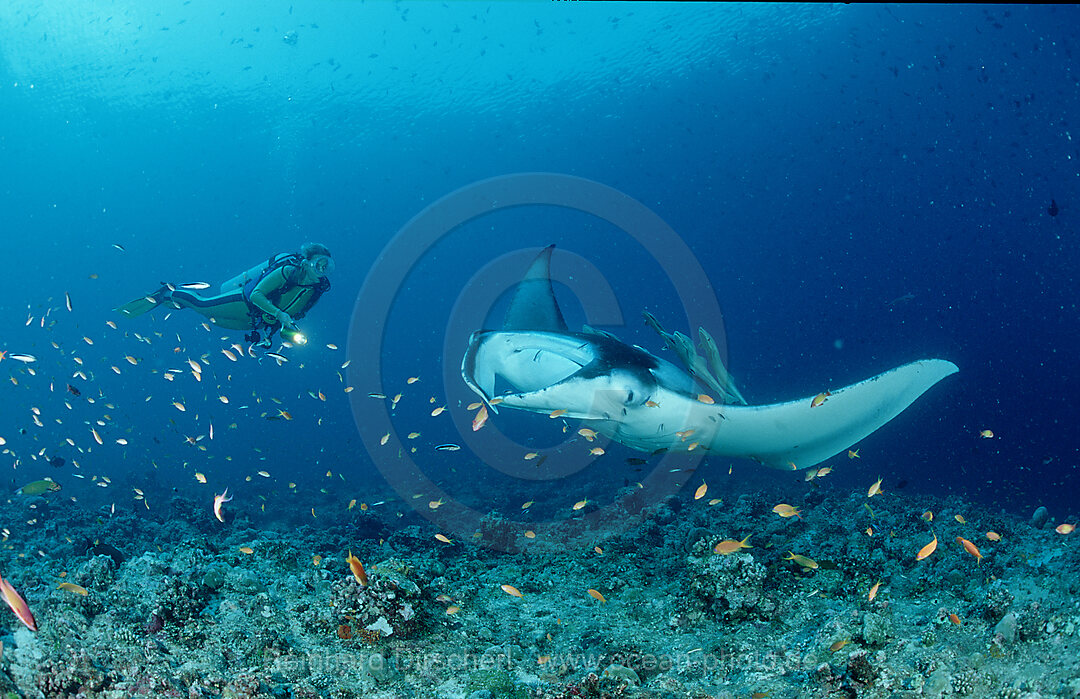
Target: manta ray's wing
point(799, 434)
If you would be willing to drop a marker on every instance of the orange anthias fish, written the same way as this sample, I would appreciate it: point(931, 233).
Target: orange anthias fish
point(357, 569)
point(480, 419)
point(970, 548)
point(927, 550)
point(219, 500)
point(729, 546)
point(1065, 528)
point(17, 604)
point(875, 489)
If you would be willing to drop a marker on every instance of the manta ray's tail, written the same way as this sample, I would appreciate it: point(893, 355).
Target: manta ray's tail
point(805, 432)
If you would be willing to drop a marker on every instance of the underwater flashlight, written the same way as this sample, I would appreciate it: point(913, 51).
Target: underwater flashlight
point(295, 336)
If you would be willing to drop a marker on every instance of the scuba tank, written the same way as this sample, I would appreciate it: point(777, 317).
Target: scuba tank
point(238, 282)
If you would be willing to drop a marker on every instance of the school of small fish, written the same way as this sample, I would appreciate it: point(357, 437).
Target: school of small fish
point(94, 403)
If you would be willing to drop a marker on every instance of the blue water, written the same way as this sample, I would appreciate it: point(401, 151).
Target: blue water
point(863, 185)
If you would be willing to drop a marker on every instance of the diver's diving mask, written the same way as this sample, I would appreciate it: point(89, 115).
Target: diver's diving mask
point(321, 265)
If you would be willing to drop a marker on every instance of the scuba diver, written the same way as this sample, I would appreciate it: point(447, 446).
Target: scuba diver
point(265, 299)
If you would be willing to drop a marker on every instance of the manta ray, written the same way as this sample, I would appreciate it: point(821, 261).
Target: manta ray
point(647, 403)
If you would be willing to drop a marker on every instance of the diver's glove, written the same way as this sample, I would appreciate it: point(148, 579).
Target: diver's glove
point(285, 319)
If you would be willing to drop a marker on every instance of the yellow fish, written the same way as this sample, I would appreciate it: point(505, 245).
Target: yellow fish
point(785, 510)
point(38, 487)
point(801, 560)
point(72, 587)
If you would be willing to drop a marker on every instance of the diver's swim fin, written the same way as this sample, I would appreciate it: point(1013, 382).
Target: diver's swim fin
point(143, 304)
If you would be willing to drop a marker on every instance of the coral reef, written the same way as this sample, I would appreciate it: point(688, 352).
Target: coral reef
point(252, 613)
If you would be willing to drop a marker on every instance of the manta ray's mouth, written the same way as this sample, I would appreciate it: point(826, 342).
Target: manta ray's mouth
point(497, 362)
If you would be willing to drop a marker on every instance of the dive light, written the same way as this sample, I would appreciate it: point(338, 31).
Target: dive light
point(294, 336)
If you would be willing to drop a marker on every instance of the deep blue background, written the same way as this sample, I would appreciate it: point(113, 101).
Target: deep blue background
point(820, 161)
